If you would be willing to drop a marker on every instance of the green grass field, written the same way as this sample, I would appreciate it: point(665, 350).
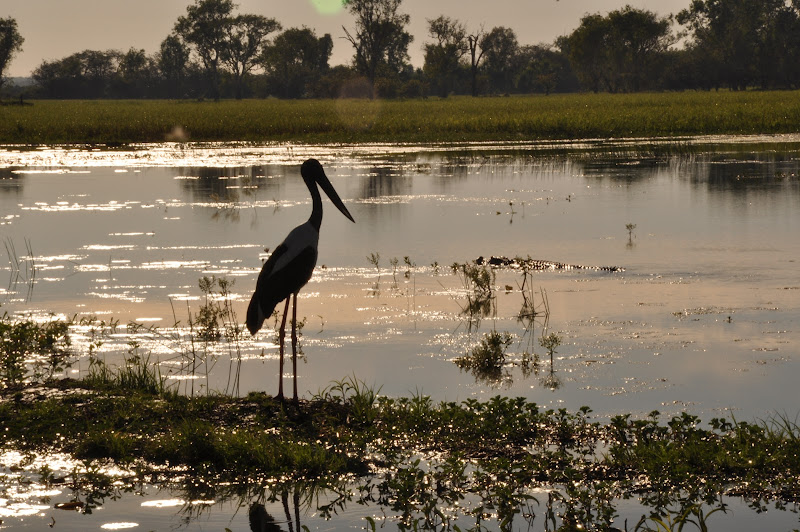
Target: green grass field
point(454, 119)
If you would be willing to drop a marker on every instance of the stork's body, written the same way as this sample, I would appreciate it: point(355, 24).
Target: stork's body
point(290, 266)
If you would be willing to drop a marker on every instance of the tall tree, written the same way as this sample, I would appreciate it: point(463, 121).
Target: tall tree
point(173, 57)
point(380, 38)
point(204, 27)
point(135, 74)
point(586, 49)
point(86, 74)
point(620, 51)
point(541, 68)
point(636, 41)
point(501, 50)
point(246, 39)
point(734, 33)
point(443, 56)
point(296, 60)
point(476, 54)
point(10, 43)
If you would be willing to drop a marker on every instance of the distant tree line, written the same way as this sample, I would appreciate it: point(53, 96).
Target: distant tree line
point(214, 52)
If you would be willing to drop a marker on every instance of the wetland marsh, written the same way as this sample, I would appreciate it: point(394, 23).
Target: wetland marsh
point(698, 319)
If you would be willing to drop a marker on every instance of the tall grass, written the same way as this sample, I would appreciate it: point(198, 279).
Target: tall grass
point(454, 119)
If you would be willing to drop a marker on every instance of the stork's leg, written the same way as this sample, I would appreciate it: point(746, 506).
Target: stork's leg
point(294, 343)
point(281, 334)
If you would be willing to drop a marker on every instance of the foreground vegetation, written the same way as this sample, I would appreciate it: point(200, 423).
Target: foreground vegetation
point(431, 454)
point(457, 119)
point(418, 458)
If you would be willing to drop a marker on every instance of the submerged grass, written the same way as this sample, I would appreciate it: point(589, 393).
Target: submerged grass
point(455, 119)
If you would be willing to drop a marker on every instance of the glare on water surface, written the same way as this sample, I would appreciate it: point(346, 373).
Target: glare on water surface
point(701, 316)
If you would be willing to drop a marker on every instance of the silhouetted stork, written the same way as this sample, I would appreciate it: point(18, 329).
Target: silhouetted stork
point(290, 266)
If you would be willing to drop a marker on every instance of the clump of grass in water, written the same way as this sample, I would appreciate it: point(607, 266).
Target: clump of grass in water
point(137, 373)
point(486, 360)
point(375, 260)
point(551, 342)
point(479, 283)
point(22, 269)
point(46, 344)
point(215, 321)
point(630, 227)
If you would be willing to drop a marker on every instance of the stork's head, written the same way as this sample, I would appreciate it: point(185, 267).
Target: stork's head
point(312, 172)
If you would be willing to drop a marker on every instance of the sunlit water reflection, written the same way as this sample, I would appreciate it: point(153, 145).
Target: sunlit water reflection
point(702, 319)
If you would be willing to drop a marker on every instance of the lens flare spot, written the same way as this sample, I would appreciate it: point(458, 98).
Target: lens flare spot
point(327, 7)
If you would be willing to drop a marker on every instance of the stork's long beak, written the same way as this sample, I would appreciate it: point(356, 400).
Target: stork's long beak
point(325, 184)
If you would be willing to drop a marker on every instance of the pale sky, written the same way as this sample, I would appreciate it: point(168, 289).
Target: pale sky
point(54, 29)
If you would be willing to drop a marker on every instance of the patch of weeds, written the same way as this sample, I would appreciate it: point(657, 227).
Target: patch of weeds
point(506, 456)
point(375, 260)
point(550, 342)
point(357, 395)
point(394, 263)
point(215, 324)
point(23, 270)
point(486, 361)
point(32, 352)
point(478, 281)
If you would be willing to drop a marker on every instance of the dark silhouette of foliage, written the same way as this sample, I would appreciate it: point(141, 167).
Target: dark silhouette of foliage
point(443, 57)
point(500, 52)
point(295, 62)
point(747, 42)
point(10, 43)
point(619, 52)
point(173, 61)
point(214, 52)
point(204, 28)
point(245, 42)
point(380, 38)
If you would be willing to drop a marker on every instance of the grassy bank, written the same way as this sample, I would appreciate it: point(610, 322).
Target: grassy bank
point(453, 119)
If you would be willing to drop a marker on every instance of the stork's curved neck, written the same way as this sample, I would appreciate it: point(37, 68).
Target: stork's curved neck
point(316, 199)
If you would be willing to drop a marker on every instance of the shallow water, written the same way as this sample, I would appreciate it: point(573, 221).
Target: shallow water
point(702, 319)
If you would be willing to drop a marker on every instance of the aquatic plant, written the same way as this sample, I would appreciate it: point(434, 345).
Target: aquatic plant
point(22, 270)
point(630, 227)
point(375, 260)
point(550, 342)
point(394, 261)
point(31, 351)
point(487, 359)
point(478, 282)
point(215, 322)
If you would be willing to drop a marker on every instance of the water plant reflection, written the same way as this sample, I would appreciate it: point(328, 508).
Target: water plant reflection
point(488, 361)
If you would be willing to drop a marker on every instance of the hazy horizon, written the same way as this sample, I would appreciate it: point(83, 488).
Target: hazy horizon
point(112, 24)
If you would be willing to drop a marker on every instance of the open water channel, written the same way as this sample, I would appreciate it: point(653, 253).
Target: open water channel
point(700, 314)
